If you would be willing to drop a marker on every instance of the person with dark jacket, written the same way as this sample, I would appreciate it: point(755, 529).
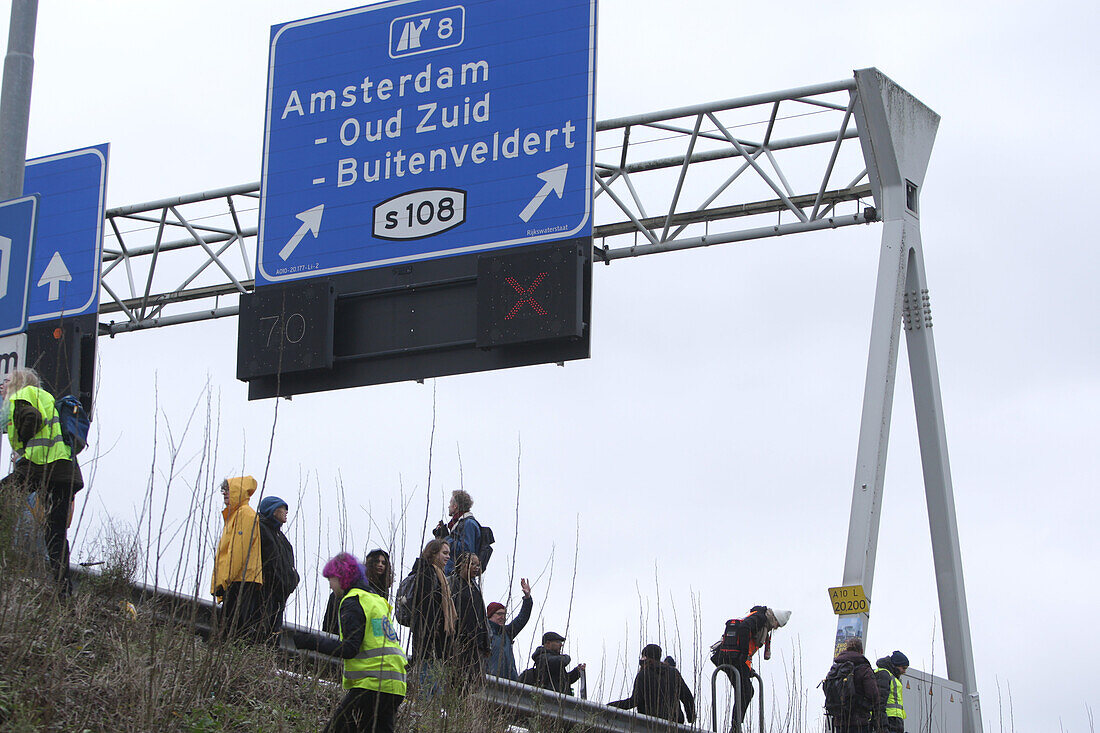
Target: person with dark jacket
point(472, 628)
point(551, 670)
point(374, 663)
point(740, 641)
point(658, 689)
point(434, 618)
point(280, 577)
point(858, 718)
point(502, 657)
point(44, 463)
point(890, 713)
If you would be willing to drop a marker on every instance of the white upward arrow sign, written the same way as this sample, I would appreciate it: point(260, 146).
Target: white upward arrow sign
point(54, 274)
point(554, 180)
point(311, 222)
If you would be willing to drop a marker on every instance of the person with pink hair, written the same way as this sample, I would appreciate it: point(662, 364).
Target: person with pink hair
point(374, 662)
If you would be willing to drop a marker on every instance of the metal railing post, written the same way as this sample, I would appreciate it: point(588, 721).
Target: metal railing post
point(737, 702)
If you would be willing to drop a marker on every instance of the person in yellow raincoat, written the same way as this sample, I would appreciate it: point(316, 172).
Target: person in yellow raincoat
point(238, 567)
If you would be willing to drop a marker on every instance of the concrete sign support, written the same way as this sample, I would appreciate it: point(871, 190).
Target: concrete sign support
point(897, 133)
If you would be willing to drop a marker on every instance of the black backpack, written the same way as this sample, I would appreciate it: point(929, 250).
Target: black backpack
point(402, 604)
point(842, 696)
point(734, 645)
point(485, 544)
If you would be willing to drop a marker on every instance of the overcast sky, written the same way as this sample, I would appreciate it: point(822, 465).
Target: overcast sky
point(702, 460)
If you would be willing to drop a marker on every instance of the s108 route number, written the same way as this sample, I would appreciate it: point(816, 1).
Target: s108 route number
point(419, 214)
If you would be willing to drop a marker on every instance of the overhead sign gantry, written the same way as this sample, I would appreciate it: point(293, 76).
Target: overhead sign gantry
point(426, 195)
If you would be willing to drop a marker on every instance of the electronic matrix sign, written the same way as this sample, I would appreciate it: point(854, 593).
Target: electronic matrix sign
point(410, 149)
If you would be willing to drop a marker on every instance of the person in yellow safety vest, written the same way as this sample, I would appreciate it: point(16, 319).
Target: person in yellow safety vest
point(374, 662)
point(890, 716)
point(238, 565)
point(43, 462)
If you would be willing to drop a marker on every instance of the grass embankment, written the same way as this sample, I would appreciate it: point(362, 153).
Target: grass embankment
point(87, 663)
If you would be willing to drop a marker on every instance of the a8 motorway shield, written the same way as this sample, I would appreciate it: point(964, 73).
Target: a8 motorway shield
point(407, 131)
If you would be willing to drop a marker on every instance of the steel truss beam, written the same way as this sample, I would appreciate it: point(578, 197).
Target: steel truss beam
point(777, 156)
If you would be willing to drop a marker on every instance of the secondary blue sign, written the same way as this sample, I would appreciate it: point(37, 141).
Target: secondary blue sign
point(69, 241)
point(17, 220)
point(419, 129)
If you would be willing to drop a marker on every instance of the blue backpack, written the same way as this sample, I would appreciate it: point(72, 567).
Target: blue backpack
point(74, 422)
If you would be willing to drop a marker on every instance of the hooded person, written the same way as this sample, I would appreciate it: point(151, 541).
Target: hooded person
point(279, 576)
point(890, 714)
point(740, 641)
point(238, 565)
point(659, 690)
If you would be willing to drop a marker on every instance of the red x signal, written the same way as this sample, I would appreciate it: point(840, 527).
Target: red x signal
point(526, 296)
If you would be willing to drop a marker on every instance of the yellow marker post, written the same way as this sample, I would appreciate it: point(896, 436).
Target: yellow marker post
point(848, 599)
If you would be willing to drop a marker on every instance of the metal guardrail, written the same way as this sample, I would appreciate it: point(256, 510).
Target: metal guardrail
point(303, 644)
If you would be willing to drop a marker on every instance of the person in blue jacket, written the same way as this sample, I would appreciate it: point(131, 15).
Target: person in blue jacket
point(502, 658)
point(462, 532)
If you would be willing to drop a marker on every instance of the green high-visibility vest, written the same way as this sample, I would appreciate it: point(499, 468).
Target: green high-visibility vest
point(46, 446)
point(380, 663)
point(894, 706)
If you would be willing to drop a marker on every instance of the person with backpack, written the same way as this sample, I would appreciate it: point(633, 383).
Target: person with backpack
point(502, 657)
point(659, 690)
point(374, 662)
point(462, 532)
point(471, 646)
point(890, 712)
point(740, 641)
point(44, 463)
point(280, 577)
point(433, 616)
point(851, 692)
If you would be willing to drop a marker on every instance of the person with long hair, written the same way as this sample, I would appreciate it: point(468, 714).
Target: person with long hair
point(434, 617)
point(471, 647)
point(374, 662)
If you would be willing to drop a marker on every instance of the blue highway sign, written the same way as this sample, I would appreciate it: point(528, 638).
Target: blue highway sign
point(17, 221)
point(407, 131)
point(69, 241)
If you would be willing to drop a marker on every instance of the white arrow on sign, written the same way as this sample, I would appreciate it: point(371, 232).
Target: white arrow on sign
point(311, 222)
point(54, 274)
point(554, 180)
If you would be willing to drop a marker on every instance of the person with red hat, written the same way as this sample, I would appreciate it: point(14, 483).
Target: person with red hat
point(502, 659)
